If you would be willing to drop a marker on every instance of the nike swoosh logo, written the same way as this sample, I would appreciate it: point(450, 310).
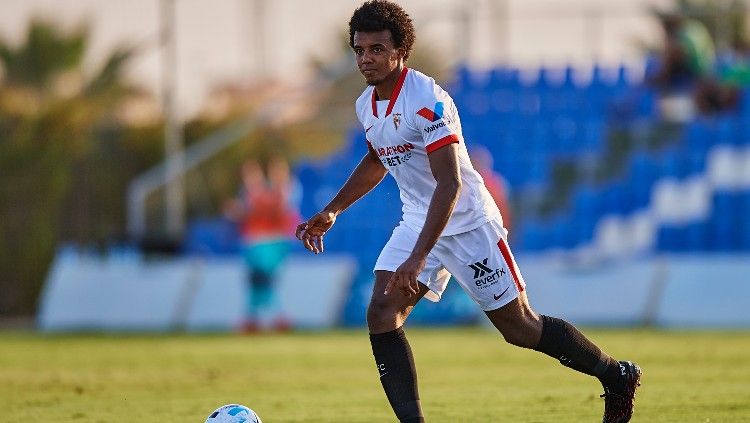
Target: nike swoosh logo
point(369, 128)
point(497, 297)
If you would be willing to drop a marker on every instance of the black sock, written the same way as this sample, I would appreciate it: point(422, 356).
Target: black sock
point(398, 374)
point(563, 341)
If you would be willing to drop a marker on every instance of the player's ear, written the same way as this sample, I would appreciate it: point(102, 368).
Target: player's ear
point(401, 52)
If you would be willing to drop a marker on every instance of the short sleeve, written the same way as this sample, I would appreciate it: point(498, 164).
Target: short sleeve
point(437, 120)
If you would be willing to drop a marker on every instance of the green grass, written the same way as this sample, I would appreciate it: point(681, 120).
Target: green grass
point(466, 375)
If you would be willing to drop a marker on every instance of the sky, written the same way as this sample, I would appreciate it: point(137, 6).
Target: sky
point(218, 40)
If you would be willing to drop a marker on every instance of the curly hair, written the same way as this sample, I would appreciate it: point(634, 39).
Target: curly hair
point(379, 15)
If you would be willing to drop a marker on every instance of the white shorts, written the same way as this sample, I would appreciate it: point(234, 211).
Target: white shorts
point(480, 259)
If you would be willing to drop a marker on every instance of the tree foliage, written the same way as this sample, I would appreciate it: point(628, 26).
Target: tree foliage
point(60, 140)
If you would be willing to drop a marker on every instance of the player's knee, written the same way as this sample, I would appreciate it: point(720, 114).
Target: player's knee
point(517, 337)
point(381, 314)
point(518, 331)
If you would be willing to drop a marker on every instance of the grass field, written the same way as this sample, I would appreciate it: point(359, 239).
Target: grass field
point(466, 375)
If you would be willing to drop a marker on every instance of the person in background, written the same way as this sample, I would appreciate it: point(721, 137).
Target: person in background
point(725, 92)
point(688, 56)
point(267, 216)
point(688, 63)
point(495, 183)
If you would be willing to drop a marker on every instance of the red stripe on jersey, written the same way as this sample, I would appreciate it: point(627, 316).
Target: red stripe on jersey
point(511, 262)
point(442, 142)
point(396, 91)
point(374, 102)
point(394, 94)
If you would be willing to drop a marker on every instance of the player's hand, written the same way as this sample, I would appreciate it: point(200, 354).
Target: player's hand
point(311, 232)
point(405, 277)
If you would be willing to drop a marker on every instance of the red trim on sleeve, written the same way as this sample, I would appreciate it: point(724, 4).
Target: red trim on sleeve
point(442, 142)
point(511, 262)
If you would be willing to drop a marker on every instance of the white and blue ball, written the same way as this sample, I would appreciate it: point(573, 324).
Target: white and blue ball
point(233, 413)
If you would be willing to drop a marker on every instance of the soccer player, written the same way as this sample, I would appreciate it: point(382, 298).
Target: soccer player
point(450, 223)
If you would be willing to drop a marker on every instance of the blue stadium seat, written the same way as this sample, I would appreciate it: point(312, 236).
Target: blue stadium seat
point(562, 232)
point(670, 238)
point(699, 136)
point(503, 78)
point(725, 222)
point(531, 235)
point(745, 103)
point(671, 164)
point(565, 134)
point(744, 222)
point(505, 102)
point(592, 135)
point(476, 104)
point(695, 163)
point(462, 79)
point(586, 200)
point(615, 198)
point(217, 236)
point(647, 104)
point(621, 82)
point(537, 171)
point(696, 236)
point(729, 130)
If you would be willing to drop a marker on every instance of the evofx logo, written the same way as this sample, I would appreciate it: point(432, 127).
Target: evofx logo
point(480, 268)
point(484, 275)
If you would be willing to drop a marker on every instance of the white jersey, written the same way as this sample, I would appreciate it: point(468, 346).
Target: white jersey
point(418, 119)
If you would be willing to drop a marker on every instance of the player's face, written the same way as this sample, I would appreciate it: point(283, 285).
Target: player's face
point(377, 57)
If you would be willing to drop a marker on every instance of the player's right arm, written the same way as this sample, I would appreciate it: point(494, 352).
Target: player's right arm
point(366, 176)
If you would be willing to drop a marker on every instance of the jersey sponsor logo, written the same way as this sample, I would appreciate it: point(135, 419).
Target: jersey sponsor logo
point(395, 160)
point(398, 149)
point(432, 115)
point(435, 116)
point(480, 268)
point(395, 155)
point(485, 276)
point(433, 127)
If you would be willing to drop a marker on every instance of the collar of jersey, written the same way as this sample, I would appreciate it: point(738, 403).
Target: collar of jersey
point(394, 95)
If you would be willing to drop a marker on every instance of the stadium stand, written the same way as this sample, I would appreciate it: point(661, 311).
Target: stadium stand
point(679, 188)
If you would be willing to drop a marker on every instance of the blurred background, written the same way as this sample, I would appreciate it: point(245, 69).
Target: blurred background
point(154, 155)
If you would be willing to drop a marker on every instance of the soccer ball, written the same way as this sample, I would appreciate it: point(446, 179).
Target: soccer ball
point(233, 413)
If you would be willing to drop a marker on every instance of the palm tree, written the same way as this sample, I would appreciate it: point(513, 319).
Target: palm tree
point(51, 117)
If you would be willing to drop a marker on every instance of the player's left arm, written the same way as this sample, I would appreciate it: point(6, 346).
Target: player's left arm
point(445, 169)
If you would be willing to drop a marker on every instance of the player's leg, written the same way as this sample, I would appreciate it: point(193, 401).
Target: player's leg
point(521, 326)
point(486, 269)
point(389, 312)
point(386, 315)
